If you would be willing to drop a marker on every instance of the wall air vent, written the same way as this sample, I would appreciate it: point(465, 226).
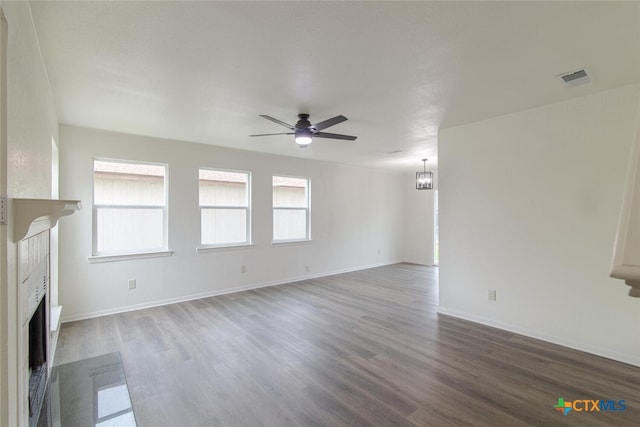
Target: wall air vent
point(576, 78)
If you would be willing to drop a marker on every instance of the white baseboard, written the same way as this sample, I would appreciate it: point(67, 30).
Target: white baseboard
point(216, 292)
point(631, 359)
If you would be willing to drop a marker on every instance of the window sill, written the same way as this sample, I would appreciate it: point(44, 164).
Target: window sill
point(123, 257)
point(221, 248)
point(291, 242)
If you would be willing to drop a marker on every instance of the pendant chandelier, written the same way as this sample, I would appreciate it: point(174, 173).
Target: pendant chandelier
point(424, 179)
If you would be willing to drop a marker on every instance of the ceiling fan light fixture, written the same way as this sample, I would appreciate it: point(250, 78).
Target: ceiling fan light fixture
point(304, 131)
point(303, 137)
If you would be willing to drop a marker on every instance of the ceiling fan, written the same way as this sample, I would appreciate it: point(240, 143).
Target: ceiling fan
point(304, 131)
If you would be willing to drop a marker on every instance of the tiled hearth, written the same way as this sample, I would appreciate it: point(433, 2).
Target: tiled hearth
point(89, 392)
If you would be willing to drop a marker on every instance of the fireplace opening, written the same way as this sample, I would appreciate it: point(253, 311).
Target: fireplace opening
point(37, 360)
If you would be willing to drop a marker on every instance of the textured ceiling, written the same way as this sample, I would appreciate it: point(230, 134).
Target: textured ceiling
point(204, 71)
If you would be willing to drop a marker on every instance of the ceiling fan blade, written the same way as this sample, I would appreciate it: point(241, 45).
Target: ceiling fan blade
point(334, 136)
point(269, 134)
point(280, 122)
point(329, 122)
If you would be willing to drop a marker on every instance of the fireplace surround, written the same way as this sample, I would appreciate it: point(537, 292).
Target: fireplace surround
point(34, 272)
point(30, 222)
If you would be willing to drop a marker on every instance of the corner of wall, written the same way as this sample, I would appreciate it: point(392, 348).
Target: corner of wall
point(537, 231)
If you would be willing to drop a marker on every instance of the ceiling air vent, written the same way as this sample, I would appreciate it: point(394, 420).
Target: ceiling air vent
point(576, 78)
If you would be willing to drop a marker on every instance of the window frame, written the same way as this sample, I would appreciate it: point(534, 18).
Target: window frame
point(307, 210)
point(98, 256)
point(436, 229)
point(203, 247)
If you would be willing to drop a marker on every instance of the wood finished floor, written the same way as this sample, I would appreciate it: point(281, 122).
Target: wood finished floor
point(357, 349)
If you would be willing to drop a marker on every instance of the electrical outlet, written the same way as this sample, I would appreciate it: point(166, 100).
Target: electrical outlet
point(492, 294)
point(307, 268)
point(243, 269)
point(132, 283)
point(379, 251)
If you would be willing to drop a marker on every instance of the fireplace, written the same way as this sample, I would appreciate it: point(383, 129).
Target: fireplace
point(37, 343)
point(37, 360)
point(36, 309)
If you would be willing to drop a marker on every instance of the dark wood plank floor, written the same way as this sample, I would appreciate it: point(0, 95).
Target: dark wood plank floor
point(358, 349)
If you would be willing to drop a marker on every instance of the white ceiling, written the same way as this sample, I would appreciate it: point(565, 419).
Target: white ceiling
point(204, 71)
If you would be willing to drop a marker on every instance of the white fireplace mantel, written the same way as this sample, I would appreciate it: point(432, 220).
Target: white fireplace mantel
point(32, 216)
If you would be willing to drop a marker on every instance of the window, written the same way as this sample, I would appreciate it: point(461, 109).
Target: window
point(436, 242)
point(129, 207)
point(224, 208)
point(290, 208)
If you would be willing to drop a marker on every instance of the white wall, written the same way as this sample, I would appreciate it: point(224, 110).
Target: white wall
point(26, 169)
point(32, 119)
point(419, 222)
point(529, 204)
point(355, 212)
